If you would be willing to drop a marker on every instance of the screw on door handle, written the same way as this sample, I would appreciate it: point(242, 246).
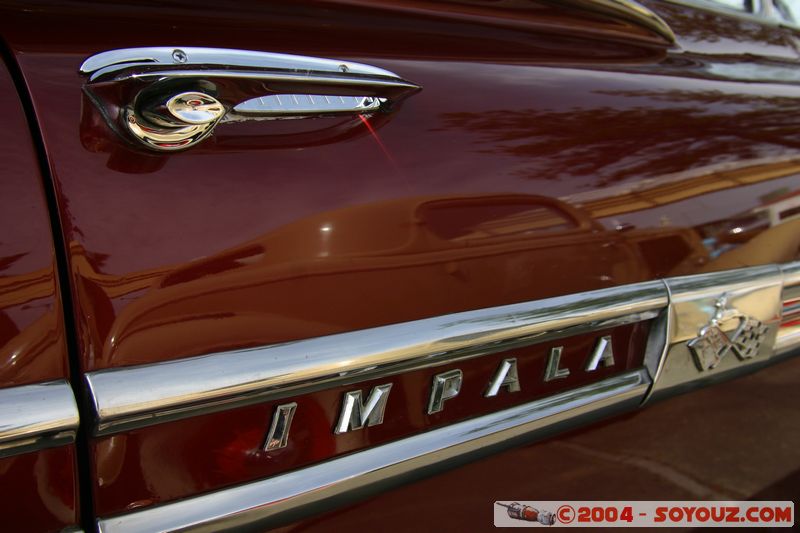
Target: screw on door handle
point(170, 98)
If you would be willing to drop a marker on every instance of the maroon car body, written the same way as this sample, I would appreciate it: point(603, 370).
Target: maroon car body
point(554, 149)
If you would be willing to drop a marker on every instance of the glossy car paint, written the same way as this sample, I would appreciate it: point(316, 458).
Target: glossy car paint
point(32, 345)
point(40, 490)
point(550, 151)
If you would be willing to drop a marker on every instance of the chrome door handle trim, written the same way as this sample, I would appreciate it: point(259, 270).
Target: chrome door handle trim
point(111, 63)
point(151, 94)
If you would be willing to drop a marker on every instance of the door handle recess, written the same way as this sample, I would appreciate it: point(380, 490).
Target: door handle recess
point(170, 98)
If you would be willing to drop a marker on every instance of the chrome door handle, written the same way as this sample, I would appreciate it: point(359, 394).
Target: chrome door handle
point(172, 98)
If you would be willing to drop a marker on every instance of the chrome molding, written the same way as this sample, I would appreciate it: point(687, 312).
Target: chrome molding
point(627, 10)
point(789, 332)
point(112, 64)
point(33, 417)
point(148, 394)
point(713, 309)
point(263, 504)
point(682, 307)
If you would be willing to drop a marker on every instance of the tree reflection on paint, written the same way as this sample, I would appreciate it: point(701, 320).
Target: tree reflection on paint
point(658, 132)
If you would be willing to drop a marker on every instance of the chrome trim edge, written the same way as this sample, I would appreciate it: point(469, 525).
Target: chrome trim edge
point(791, 276)
point(787, 341)
point(105, 65)
point(148, 394)
point(268, 502)
point(661, 330)
point(38, 416)
point(789, 336)
point(171, 98)
point(631, 11)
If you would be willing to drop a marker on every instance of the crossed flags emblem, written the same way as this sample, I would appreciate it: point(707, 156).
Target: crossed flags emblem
point(713, 344)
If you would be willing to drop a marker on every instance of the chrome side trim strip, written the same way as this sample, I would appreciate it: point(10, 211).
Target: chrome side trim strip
point(266, 503)
point(33, 417)
point(791, 276)
point(788, 340)
point(148, 394)
point(789, 332)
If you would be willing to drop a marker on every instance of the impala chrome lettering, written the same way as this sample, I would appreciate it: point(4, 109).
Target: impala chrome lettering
point(305, 365)
point(355, 414)
point(552, 371)
point(387, 465)
point(712, 343)
point(603, 352)
point(446, 385)
point(278, 435)
point(506, 376)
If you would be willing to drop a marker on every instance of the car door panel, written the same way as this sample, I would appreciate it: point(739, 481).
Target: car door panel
point(554, 149)
point(225, 205)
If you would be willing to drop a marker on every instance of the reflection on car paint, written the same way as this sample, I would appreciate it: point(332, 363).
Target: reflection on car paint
point(622, 160)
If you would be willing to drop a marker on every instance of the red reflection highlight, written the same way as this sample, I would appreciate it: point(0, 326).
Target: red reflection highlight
point(378, 140)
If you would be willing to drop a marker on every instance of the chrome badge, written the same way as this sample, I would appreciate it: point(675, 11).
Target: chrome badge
point(711, 315)
point(713, 344)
